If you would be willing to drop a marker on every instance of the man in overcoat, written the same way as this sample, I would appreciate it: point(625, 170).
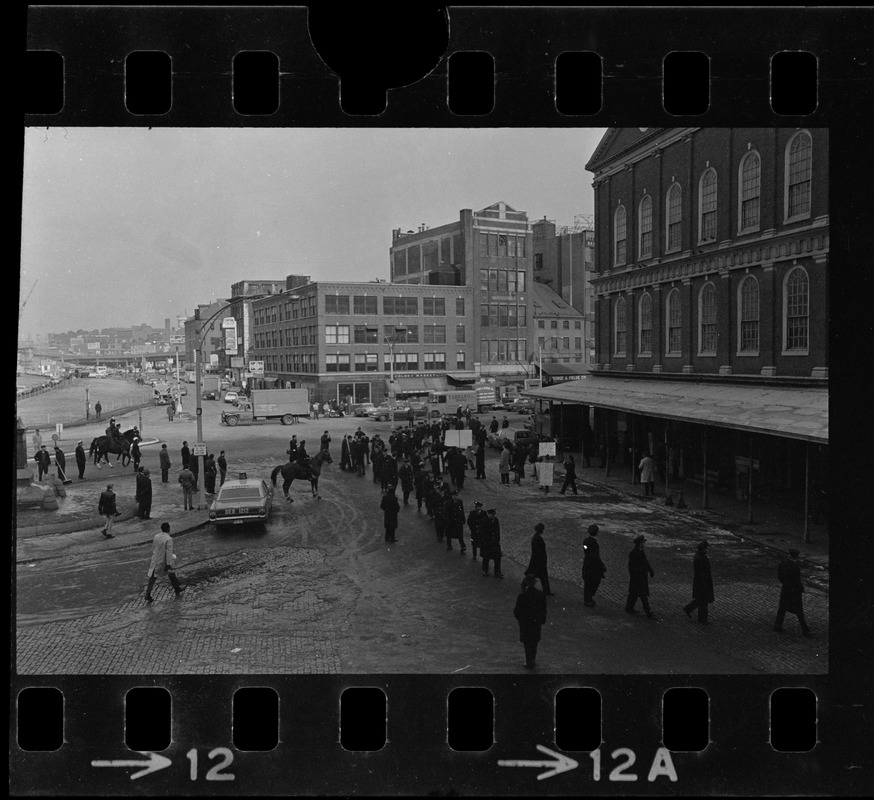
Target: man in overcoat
point(81, 459)
point(570, 474)
point(453, 513)
point(61, 463)
point(43, 461)
point(490, 543)
point(106, 508)
point(789, 575)
point(164, 459)
point(537, 565)
point(390, 508)
point(144, 494)
point(405, 475)
point(163, 560)
point(475, 520)
point(593, 567)
point(346, 453)
point(702, 585)
point(638, 582)
point(530, 611)
point(185, 452)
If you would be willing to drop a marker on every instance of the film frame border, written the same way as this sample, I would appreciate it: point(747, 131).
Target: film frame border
point(524, 97)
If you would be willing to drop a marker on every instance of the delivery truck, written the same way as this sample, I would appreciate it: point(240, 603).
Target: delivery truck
point(211, 386)
point(286, 405)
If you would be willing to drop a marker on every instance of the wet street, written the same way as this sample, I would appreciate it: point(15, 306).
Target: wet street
point(319, 579)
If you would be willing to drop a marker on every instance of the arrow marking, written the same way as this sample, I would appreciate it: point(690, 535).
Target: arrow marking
point(561, 763)
point(154, 763)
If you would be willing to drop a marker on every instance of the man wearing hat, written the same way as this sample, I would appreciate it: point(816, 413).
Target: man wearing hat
point(453, 515)
point(538, 561)
point(81, 459)
point(475, 520)
point(530, 611)
point(106, 508)
point(144, 494)
point(789, 575)
point(702, 585)
point(593, 568)
point(638, 582)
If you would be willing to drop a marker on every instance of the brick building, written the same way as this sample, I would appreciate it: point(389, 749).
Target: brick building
point(711, 315)
point(489, 253)
point(337, 339)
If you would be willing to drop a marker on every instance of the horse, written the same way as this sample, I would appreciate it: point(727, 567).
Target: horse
point(102, 446)
point(311, 471)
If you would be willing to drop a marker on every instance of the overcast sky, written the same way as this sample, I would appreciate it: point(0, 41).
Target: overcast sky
point(122, 226)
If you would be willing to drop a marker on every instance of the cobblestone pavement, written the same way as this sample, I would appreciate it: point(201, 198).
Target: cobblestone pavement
point(322, 592)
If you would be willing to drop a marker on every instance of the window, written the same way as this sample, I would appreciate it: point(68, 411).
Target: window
point(578, 343)
point(493, 316)
point(707, 206)
point(750, 189)
point(337, 334)
point(511, 281)
point(502, 245)
point(674, 340)
point(520, 281)
point(503, 319)
point(337, 363)
point(541, 323)
point(502, 281)
point(674, 218)
point(565, 324)
point(521, 316)
point(408, 335)
point(521, 246)
point(493, 280)
point(400, 305)
point(798, 161)
point(434, 334)
point(484, 280)
point(434, 361)
point(364, 305)
point(707, 319)
point(483, 245)
point(459, 306)
point(484, 315)
point(796, 301)
point(511, 316)
point(538, 261)
point(749, 316)
point(502, 350)
point(619, 325)
point(365, 362)
point(619, 237)
point(366, 334)
point(460, 361)
point(553, 324)
point(577, 325)
point(434, 306)
point(336, 303)
point(459, 334)
point(565, 343)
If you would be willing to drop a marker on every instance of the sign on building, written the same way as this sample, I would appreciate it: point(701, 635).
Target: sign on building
point(177, 340)
point(237, 362)
point(257, 368)
point(229, 322)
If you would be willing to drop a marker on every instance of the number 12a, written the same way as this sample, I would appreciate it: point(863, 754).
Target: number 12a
point(215, 772)
point(661, 765)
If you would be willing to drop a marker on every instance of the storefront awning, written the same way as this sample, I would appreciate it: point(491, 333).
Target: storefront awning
point(457, 378)
point(418, 384)
point(564, 372)
point(796, 413)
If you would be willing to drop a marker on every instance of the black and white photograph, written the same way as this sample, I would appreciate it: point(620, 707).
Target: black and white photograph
point(245, 354)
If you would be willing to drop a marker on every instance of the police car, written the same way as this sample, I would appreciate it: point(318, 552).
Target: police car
point(242, 500)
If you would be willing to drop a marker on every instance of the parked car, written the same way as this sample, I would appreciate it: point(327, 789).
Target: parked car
point(242, 500)
point(231, 397)
point(420, 410)
point(383, 412)
point(362, 409)
point(522, 405)
point(518, 437)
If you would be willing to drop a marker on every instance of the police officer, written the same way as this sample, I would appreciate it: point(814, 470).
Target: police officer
point(453, 512)
point(490, 543)
point(475, 520)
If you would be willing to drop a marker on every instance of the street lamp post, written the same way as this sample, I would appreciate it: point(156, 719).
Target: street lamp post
point(201, 335)
point(391, 341)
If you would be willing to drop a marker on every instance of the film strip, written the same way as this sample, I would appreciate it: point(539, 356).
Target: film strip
point(444, 732)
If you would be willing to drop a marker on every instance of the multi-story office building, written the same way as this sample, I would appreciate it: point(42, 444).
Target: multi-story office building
point(559, 345)
point(489, 253)
point(711, 286)
point(564, 261)
point(343, 341)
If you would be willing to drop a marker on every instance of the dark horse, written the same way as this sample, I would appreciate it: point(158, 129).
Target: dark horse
point(311, 471)
point(102, 446)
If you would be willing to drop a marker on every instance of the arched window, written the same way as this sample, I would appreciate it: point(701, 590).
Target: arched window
point(620, 326)
point(707, 319)
point(645, 326)
point(674, 219)
point(674, 322)
point(750, 192)
point(645, 232)
point(619, 237)
point(748, 308)
point(799, 155)
point(796, 301)
point(707, 206)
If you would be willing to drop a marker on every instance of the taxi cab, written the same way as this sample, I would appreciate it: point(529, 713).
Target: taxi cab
point(242, 500)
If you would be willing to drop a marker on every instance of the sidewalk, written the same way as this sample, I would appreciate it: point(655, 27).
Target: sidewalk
point(773, 527)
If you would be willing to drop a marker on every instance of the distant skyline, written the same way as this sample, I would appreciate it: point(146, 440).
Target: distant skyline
point(123, 226)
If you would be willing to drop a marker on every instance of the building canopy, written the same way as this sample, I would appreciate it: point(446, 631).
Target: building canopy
point(793, 412)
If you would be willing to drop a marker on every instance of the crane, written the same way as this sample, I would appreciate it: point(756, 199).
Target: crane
point(21, 308)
